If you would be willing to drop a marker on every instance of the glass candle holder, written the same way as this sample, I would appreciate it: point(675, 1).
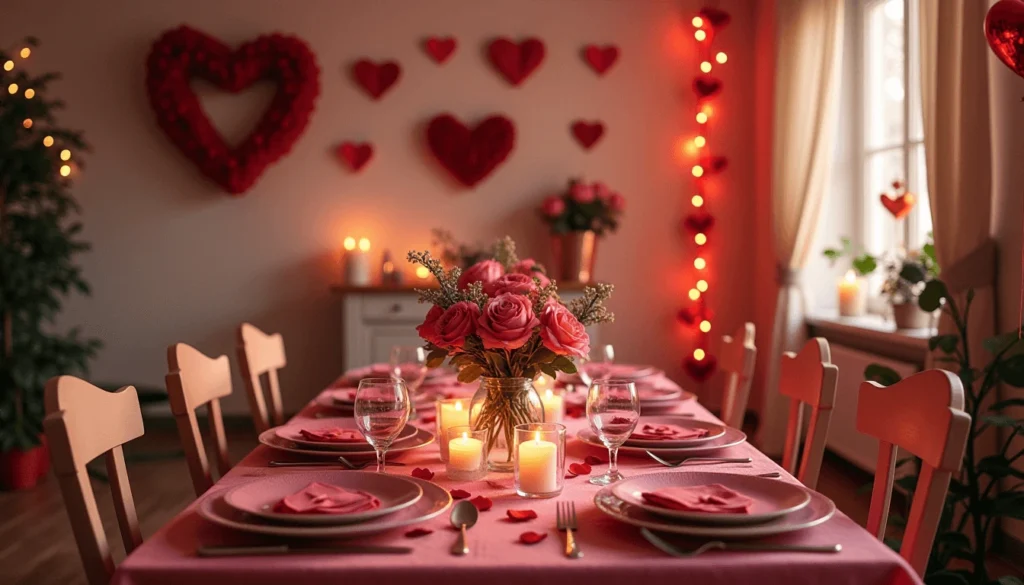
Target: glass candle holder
point(539, 459)
point(467, 453)
point(553, 400)
point(451, 412)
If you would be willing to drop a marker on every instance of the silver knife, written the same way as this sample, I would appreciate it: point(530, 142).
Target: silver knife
point(284, 549)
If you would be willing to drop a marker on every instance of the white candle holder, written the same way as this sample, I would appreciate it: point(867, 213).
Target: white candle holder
point(539, 459)
point(467, 453)
point(451, 412)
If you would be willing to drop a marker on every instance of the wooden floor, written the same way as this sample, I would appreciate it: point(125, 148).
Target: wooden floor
point(37, 547)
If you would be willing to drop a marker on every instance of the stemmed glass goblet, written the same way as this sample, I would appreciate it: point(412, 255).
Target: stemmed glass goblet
point(613, 409)
point(409, 364)
point(381, 410)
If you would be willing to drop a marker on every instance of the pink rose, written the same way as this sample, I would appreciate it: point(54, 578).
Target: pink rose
point(562, 333)
point(456, 324)
point(616, 202)
point(581, 193)
point(484, 271)
point(530, 268)
point(553, 206)
point(507, 322)
point(601, 191)
point(428, 329)
point(512, 282)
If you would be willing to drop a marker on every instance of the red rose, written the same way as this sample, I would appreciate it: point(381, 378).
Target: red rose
point(562, 333)
point(455, 324)
point(530, 268)
point(581, 193)
point(616, 202)
point(484, 271)
point(553, 206)
point(428, 329)
point(507, 322)
point(511, 283)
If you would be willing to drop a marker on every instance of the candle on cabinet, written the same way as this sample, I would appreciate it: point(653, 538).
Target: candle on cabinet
point(452, 413)
point(553, 406)
point(357, 262)
point(852, 297)
point(538, 466)
point(465, 453)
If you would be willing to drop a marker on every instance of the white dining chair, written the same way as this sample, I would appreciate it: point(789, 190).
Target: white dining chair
point(194, 379)
point(924, 415)
point(83, 422)
point(261, 354)
point(738, 355)
point(810, 378)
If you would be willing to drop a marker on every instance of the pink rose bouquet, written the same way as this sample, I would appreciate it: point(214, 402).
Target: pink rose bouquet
point(583, 207)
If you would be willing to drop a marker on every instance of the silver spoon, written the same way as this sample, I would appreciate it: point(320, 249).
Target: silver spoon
point(464, 516)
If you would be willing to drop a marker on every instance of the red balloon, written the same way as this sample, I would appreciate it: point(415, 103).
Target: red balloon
point(1004, 30)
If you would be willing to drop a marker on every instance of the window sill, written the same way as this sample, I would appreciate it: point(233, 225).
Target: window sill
point(871, 334)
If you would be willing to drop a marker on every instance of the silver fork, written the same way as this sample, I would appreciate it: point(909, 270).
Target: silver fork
point(565, 518)
point(701, 460)
point(353, 465)
point(669, 548)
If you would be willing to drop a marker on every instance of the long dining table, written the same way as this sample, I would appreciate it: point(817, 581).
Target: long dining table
point(615, 553)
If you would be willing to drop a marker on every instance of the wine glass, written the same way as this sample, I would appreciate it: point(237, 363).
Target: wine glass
point(409, 363)
point(608, 353)
point(612, 410)
point(381, 410)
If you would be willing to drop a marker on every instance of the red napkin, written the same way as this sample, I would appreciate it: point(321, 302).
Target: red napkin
point(713, 498)
point(332, 435)
point(655, 432)
point(321, 498)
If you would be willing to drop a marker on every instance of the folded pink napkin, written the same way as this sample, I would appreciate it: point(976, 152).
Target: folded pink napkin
point(332, 435)
point(321, 498)
point(343, 396)
point(655, 432)
point(713, 498)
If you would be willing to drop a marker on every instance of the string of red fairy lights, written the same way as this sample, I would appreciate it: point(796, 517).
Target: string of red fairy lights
point(698, 223)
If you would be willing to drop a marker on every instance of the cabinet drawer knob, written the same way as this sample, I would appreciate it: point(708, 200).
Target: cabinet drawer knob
point(395, 308)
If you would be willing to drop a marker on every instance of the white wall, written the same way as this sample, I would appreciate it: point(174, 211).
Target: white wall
point(175, 259)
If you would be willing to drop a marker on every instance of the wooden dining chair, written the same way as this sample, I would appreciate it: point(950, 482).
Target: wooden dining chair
point(193, 380)
point(738, 355)
point(810, 378)
point(83, 422)
point(259, 354)
point(923, 414)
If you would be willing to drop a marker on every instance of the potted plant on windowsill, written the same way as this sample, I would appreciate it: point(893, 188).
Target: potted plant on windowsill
point(578, 218)
point(907, 274)
point(38, 242)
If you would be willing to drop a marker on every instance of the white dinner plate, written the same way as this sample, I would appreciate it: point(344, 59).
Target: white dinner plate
point(290, 432)
point(715, 431)
point(258, 497)
point(731, 438)
point(772, 498)
point(422, 438)
point(435, 501)
point(819, 510)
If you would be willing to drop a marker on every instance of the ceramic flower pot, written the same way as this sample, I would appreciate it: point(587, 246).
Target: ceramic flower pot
point(574, 254)
point(910, 316)
point(22, 470)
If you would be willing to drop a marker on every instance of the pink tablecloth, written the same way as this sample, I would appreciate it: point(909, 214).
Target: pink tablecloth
point(615, 553)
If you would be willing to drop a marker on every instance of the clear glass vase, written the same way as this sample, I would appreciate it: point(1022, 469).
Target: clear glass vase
point(497, 407)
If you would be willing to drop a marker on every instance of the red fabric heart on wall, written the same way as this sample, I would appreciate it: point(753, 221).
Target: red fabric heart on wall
point(183, 53)
point(470, 155)
point(600, 58)
point(900, 206)
point(713, 164)
point(706, 86)
point(439, 48)
point(355, 155)
point(698, 312)
point(1004, 30)
point(700, 370)
point(715, 17)
point(587, 133)
point(699, 222)
point(516, 61)
point(376, 79)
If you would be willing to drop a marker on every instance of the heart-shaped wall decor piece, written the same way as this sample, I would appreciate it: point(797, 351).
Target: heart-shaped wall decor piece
point(700, 222)
point(185, 53)
point(439, 49)
point(376, 79)
point(715, 17)
point(516, 61)
point(713, 164)
point(694, 313)
point(600, 59)
point(1004, 31)
point(700, 370)
point(470, 154)
point(900, 206)
point(706, 86)
point(587, 133)
point(355, 155)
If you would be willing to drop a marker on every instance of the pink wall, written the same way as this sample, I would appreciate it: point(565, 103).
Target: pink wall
point(177, 260)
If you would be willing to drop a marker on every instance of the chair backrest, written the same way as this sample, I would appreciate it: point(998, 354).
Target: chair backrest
point(737, 358)
point(258, 354)
point(83, 422)
point(808, 378)
point(923, 414)
point(194, 379)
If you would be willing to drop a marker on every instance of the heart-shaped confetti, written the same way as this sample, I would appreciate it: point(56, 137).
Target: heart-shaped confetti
point(580, 469)
point(520, 515)
point(594, 460)
point(530, 537)
point(482, 503)
point(418, 532)
point(458, 494)
point(423, 473)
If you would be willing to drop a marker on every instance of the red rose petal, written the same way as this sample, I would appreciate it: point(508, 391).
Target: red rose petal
point(482, 503)
point(418, 532)
point(580, 468)
point(594, 460)
point(428, 419)
point(459, 494)
point(520, 515)
point(423, 473)
point(575, 411)
point(570, 475)
point(532, 537)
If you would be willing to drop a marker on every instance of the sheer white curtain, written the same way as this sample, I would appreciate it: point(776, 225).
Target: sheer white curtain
point(808, 68)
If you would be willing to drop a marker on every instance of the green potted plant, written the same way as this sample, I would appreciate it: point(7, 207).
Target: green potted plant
point(578, 217)
point(39, 239)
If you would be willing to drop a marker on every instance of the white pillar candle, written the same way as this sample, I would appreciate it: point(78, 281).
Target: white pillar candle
point(553, 406)
point(453, 414)
point(465, 453)
point(357, 262)
point(852, 297)
point(538, 466)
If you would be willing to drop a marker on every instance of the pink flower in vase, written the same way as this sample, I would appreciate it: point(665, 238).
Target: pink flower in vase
point(616, 202)
point(530, 268)
point(484, 271)
point(507, 322)
point(562, 332)
point(601, 191)
point(456, 324)
point(428, 329)
point(581, 193)
point(512, 282)
point(553, 206)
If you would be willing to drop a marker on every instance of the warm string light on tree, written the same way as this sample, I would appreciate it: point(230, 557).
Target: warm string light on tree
point(699, 223)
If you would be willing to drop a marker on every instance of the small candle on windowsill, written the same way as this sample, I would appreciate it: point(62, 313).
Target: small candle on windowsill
point(465, 453)
point(538, 466)
point(553, 406)
point(357, 262)
point(852, 297)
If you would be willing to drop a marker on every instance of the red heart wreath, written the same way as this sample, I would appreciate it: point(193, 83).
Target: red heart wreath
point(516, 61)
point(587, 133)
point(183, 53)
point(470, 155)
